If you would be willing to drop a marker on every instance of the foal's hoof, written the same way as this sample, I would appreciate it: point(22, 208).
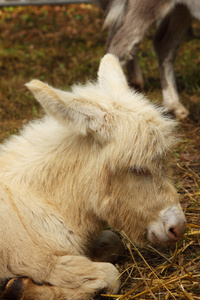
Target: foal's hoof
point(108, 247)
point(14, 289)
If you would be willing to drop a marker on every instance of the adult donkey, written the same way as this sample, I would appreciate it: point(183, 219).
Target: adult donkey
point(129, 20)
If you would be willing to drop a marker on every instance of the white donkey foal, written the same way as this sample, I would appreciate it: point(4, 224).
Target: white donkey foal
point(100, 156)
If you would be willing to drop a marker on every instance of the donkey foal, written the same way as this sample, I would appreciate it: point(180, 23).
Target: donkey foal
point(99, 157)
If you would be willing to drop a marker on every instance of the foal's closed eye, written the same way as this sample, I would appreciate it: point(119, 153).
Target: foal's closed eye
point(142, 171)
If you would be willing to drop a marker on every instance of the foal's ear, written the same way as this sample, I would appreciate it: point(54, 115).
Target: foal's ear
point(111, 75)
point(66, 107)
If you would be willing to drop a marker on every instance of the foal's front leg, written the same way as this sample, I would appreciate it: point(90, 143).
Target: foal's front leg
point(166, 42)
point(82, 278)
point(70, 278)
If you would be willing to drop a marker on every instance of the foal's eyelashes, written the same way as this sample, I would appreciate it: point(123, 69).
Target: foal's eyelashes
point(142, 171)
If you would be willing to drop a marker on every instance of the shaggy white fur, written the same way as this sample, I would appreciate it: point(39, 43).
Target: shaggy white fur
point(101, 155)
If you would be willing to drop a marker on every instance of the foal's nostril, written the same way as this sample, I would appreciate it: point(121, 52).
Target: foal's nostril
point(175, 232)
point(172, 233)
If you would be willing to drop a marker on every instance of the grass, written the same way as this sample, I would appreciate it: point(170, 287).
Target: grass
point(63, 45)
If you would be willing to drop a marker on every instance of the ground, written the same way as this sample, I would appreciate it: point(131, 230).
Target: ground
point(62, 45)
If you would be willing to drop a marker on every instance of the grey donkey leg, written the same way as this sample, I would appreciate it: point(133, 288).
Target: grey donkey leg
point(134, 74)
point(123, 40)
point(168, 37)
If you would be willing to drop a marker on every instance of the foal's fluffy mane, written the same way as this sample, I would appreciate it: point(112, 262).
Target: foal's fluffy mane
point(130, 102)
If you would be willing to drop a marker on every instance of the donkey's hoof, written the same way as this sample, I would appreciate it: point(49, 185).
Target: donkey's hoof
point(14, 289)
point(181, 112)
